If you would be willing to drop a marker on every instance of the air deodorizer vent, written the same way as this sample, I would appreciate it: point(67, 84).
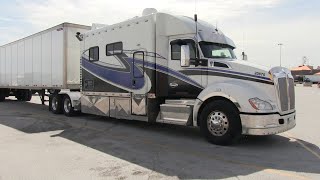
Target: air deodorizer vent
point(149, 11)
point(219, 64)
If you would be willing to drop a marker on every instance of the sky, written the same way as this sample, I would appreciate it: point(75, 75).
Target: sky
point(256, 26)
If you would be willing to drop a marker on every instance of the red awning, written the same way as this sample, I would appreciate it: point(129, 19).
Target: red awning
point(301, 68)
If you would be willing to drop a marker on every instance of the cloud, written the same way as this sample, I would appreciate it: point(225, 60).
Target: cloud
point(36, 15)
point(299, 37)
point(50, 12)
point(5, 19)
point(234, 16)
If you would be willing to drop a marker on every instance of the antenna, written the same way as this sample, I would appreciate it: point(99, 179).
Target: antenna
point(196, 23)
point(244, 56)
point(217, 25)
point(196, 35)
point(243, 48)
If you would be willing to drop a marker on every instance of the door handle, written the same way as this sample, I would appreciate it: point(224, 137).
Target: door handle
point(133, 82)
point(173, 85)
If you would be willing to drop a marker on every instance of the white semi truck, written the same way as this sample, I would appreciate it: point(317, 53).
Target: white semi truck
point(157, 68)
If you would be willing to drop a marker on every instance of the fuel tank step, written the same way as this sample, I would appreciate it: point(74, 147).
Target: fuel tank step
point(176, 112)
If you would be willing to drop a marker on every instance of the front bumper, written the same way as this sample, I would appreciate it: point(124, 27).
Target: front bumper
point(257, 124)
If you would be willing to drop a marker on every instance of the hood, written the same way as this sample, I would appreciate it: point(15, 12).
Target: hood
point(244, 68)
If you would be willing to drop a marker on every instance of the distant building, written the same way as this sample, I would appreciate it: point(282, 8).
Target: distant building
point(301, 72)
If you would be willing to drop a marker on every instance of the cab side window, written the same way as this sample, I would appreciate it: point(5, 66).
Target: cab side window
point(176, 48)
point(175, 51)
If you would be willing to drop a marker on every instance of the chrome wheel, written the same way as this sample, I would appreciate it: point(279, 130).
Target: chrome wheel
point(217, 123)
point(67, 105)
point(54, 103)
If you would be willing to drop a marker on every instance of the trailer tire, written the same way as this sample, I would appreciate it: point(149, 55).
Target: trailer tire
point(56, 104)
point(27, 95)
point(67, 108)
point(220, 122)
point(19, 94)
point(2, 95)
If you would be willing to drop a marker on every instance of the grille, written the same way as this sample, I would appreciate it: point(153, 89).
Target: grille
point(286, 93)
point(283, 93)
point(291, 94)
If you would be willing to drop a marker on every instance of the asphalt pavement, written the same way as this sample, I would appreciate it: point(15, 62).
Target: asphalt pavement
point(36, 144)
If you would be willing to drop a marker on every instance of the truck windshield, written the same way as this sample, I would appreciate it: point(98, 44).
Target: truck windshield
point(217, 51)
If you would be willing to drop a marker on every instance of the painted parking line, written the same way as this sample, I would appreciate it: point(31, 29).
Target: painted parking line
point(290, 136)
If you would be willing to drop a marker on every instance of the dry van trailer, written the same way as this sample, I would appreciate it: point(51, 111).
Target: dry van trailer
point(48, 60)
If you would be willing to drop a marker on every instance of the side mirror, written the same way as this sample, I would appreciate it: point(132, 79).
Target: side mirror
point(185, 56)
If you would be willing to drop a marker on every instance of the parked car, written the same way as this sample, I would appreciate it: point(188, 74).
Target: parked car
point(307, 82)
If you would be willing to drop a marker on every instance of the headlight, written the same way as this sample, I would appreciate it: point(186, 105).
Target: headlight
point(259, 104)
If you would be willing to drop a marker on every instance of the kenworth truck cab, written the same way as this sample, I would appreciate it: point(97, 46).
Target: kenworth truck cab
point(172, 69)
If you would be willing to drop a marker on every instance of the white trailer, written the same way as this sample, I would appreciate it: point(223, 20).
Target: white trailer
point(47, 60)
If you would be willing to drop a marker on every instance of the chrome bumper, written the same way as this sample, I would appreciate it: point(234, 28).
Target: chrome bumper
point(254, 124)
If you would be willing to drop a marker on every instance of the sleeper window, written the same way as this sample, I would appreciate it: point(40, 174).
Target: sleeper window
point(114, 48)
point(94, 53)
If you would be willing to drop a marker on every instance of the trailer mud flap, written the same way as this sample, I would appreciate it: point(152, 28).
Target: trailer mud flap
point(139, 103)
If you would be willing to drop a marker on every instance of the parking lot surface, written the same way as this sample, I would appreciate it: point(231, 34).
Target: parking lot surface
point(36, 144)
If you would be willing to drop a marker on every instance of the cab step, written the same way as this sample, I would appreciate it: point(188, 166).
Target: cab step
point(176, 112)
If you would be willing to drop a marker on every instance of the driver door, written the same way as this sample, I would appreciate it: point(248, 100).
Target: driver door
point(184, 82)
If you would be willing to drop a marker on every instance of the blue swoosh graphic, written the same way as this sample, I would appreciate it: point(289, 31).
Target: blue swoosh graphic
point(117, 77)
point(169, 71)
point(125, 78)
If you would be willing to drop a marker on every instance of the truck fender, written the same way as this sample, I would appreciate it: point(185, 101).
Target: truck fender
point(236, 92)
point(75, 98)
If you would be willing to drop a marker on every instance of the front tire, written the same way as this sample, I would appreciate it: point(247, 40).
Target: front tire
point(68, 110)
point(220, 122)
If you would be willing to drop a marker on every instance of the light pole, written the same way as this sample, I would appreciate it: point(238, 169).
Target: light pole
point(280, 45)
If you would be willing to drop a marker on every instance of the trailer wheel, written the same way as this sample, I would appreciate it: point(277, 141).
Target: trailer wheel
point(67, 106)
point(220, 122)
point(56, 104)
point(2, 95)
point(19, 94)
point(27, 95)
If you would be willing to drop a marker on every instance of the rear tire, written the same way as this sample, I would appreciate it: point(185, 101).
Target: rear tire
point(56, 104)
point(68, 110)
point(220, 122)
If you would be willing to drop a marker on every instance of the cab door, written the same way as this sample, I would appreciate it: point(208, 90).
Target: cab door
point(184, 82)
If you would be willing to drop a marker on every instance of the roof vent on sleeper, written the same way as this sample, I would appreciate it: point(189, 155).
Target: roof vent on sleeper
point(97, 26)
point(149, 11)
